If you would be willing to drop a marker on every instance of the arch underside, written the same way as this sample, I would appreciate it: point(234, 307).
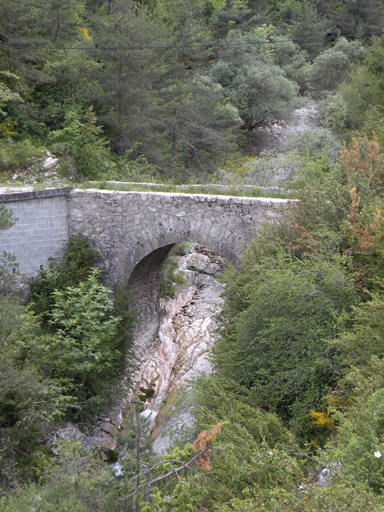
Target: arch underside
point(144, 280)
point(146, 247)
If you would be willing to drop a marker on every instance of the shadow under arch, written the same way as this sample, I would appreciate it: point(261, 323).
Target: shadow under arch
point(144, 283)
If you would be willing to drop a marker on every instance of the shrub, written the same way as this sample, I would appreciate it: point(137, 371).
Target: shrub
point(314, 141)
point(79, 258)
point(16, 155)
point(290, 306)
point(86, 334)
point(80, 139)
point(328, 71)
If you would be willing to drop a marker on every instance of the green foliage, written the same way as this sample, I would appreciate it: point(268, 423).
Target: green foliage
point(311, 499)
point(354, 50)
point(313, 142)
point(240, 456)
point(136, 440)
point(270, 169)
point(18, 155)
point(307, 155)
point(362, 16)
point(332, 67)
point(76, 481)
point(8, 268)
point(366, 337)
point(80, 140)
point(291, 307)
point(79, 257)
point(336, 115)
point(255, 84)
point(7, 220)
point(29, 399)
point(294, 61)
point(360, 439)
point(85, 334)
point(359, 414)
point(303, 22)
point(201, 123)
point(6, 94)
point(362, 97)
point(10, 317)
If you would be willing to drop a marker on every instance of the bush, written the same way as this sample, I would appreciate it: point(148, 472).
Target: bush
point(274, 170)
point(312, 142)
point(79, 258)
point(86, 333)
point(256, 85)
point(360, 449)
point(76, 481)
point(80, 139)
point(7, 220)
point(336, 114)
point(17, 155)
point(293, 61)
point(328, 71)
point(354, 50)
point(289, 307)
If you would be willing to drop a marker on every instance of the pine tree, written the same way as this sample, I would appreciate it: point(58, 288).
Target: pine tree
point(128, 73)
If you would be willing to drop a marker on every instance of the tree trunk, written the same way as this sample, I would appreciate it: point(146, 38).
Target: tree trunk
point(120, 95)
point(57, 22)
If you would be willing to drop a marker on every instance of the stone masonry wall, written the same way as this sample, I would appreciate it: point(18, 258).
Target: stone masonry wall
point(127, 226)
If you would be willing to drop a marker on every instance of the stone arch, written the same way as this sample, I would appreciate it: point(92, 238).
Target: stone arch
point(144, 279)
point(169, 239)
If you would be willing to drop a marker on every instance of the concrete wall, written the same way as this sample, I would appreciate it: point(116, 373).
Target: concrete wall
point(41, 229)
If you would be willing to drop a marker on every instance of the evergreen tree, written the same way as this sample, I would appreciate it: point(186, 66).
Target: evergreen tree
point(357, 17)
point(229, 16)
point(201, 126)
point(128, 74)
point(303, 22)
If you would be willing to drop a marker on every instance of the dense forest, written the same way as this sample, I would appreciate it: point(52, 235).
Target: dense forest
point(175, 90)
point(184, 91)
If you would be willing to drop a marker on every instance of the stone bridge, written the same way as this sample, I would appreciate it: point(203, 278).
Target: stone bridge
point(133, 231)
point(127, 227)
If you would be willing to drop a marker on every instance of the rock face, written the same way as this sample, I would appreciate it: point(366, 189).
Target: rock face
point(303, 119)
point(186, 335)
point(275, 133)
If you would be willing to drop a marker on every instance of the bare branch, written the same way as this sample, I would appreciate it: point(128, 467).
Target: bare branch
point(175, 471)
